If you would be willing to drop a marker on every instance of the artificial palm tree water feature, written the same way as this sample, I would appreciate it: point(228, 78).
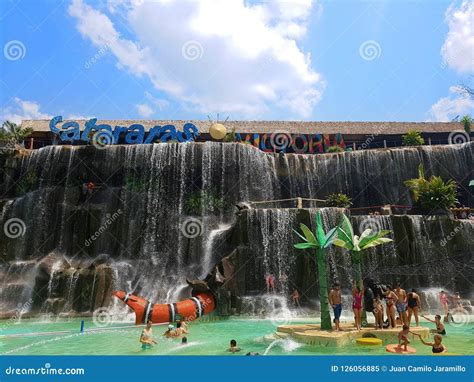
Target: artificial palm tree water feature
point(319, 241)
point(341, 236)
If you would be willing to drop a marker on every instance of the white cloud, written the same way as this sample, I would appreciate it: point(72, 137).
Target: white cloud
point(458, 48)
point(22, 110)
point(248, 59)
point(458, 103)
point(144, 110)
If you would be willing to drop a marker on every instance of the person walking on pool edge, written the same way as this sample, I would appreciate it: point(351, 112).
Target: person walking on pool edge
point(335, 299)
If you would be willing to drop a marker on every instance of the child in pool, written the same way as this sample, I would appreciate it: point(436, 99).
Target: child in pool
point(378, 312)
point(233, 346)
point(437, 346)
point(170, 332)
point(402, 337)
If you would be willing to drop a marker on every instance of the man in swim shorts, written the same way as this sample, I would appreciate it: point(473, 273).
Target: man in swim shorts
point(401, 304)
point(335, 299)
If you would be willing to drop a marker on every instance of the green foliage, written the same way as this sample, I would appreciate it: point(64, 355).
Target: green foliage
point(335, 149)
point(356, 245)
point(466, 122)
point(12, 134)
point(203, 202)
point(413, 138)
point(338, 200)
point(231, 137)
point(27, 183)
point(134, 183)
point(433, 193)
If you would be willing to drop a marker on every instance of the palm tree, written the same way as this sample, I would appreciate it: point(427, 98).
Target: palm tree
point(13, 134)
point(356, 245)
point(319, 241)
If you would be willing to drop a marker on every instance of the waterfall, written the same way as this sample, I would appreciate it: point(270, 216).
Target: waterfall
point(155, 191)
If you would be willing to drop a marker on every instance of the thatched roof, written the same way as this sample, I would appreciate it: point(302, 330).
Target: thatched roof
point(294, 127)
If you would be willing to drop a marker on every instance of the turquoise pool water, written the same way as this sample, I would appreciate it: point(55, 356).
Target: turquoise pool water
point(206, 338)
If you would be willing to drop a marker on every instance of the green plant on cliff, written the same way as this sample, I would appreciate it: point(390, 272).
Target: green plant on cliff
point(134, 183)
point(12, 134)
point(433, 193)
point(319, 241)
point(27, 183)
point(357, 245)
point(466, 122)
point(231, 137)
point(413, 138)
point(203, 202)
point(338, 200)
point(335, 149)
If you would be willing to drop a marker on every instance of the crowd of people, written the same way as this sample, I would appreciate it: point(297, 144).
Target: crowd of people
point(400, 308)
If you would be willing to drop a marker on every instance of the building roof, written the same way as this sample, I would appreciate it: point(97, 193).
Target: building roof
point(294, 127)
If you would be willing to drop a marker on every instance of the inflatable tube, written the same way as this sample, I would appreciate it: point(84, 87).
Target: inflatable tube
point(188, 310)
point(396, 348)
point(369, 341)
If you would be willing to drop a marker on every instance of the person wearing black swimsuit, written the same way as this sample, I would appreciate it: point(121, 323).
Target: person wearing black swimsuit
point(440, 329)
point(436, 346)
point(414, 306)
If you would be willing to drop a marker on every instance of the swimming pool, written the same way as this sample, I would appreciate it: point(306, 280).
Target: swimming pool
point(205, 338)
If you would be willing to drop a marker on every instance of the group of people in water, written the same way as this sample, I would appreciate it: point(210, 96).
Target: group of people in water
point(147, 340)
point(400, 307)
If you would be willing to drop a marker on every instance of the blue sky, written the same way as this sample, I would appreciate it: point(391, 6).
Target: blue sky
point(311, 60)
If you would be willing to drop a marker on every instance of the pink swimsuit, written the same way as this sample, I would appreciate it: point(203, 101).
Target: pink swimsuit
point(357, 301)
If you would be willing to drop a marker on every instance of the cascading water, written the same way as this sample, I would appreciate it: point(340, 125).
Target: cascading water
point(131, 230)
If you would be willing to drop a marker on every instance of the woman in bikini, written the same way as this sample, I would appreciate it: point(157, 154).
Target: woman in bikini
point(391, 298)
point(357, 304)
point(378, 312)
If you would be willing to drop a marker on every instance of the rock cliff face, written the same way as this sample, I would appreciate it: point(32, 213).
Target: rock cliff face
point(156, 214)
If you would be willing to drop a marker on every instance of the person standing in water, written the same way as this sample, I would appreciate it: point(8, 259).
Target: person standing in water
point(414, 306)
point(443, 300)
point(357, 295)
point(270, 283)
point(437, 346)
point(233, 347)
point(378, 312)
point(295, 296)
point(146, 338)
point(335, 299)
point(440, 328)
point(390, 299)
point(401, 304)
